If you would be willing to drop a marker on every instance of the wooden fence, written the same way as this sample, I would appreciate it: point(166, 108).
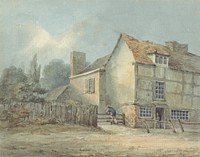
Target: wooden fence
point(102, 118)
point(75, 114)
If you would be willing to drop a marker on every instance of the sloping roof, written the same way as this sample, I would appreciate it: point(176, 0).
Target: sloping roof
point(177, 60)
point(55, 93)
point(100, 62)
point(185, 61)
point(141, 50)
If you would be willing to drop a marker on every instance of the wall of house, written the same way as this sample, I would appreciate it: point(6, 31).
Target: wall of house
point(102, 92)
point(120, 80)
point(79, 89)
point(182, 90)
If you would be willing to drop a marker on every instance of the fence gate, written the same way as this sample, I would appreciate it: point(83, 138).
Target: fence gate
point(105, 118)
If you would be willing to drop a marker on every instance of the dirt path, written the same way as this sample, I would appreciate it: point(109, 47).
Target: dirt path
point(110, 141)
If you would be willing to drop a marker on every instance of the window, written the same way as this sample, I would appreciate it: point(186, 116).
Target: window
point(159, 90)
point(161, 59)
point(145, 112)
point(165, 60)
point(90, 85)
point(177, 114)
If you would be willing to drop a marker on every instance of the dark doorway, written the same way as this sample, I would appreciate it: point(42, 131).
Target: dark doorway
point(160, 117)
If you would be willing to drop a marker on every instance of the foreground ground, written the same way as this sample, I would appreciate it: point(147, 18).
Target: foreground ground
point(108, 141)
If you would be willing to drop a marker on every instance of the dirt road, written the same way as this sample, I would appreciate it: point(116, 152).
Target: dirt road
point(109, 141)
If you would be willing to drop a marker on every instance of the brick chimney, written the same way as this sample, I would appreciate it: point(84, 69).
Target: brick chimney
point(177, 47)
point(77, 62)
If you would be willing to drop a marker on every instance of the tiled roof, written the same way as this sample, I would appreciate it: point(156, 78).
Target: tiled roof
point(177, 60)
point(186, 62)
point(141, 50)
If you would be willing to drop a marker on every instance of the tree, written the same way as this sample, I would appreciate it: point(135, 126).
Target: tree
point(13, 75)
point(10, 77)
point(55, 74)
point(34, 73)
point(14, 87)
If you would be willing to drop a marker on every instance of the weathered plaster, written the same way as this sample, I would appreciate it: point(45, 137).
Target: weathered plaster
point(159, 72)
point(187, 101)
point(174, 100)
point(197, 79)
point(173, 75)
point(146, 71)
point(188, 89)
point(197, 90)
point(120, 80)
point(145, 84)
point(78, 84)
point(188, 77)
point(173, 87)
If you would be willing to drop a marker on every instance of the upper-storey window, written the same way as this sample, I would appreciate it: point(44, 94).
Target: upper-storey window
point(90, 85)
point(159, 90)
point(161, 59)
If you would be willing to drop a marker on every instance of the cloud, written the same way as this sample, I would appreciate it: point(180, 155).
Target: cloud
point(88, 36)
point(46, 46)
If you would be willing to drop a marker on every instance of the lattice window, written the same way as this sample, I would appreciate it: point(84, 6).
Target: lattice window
point(177, 114)
point(161, 59)
point(145, 112)
point(159, 90)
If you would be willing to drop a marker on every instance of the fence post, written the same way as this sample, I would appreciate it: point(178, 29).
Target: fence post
point(182, 129)
point(146, 126)
point(123, 118)
point(174, 130)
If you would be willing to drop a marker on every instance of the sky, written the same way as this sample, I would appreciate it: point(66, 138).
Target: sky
point(54, 28)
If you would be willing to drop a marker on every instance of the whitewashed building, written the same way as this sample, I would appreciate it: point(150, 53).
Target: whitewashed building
point(142, 79)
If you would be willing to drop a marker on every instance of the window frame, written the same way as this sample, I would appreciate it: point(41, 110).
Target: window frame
point(145, 112)
point(180, 114)
point(161, 59)
point(90, 85)
point(157, 92)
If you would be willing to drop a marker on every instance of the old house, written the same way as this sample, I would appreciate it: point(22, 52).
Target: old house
point(142, 79)
point(59, 94)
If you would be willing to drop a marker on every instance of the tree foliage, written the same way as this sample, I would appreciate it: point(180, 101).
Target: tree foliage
point(21, 92)
point(55, 74)
point(13, 75)
point(34, 73)
point(16, 86)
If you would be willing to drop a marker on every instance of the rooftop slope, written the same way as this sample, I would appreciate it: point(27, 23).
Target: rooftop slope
point(141, 49)
point(177, 60)
point(100, 62)
point(55, 93)
point(184, 61)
